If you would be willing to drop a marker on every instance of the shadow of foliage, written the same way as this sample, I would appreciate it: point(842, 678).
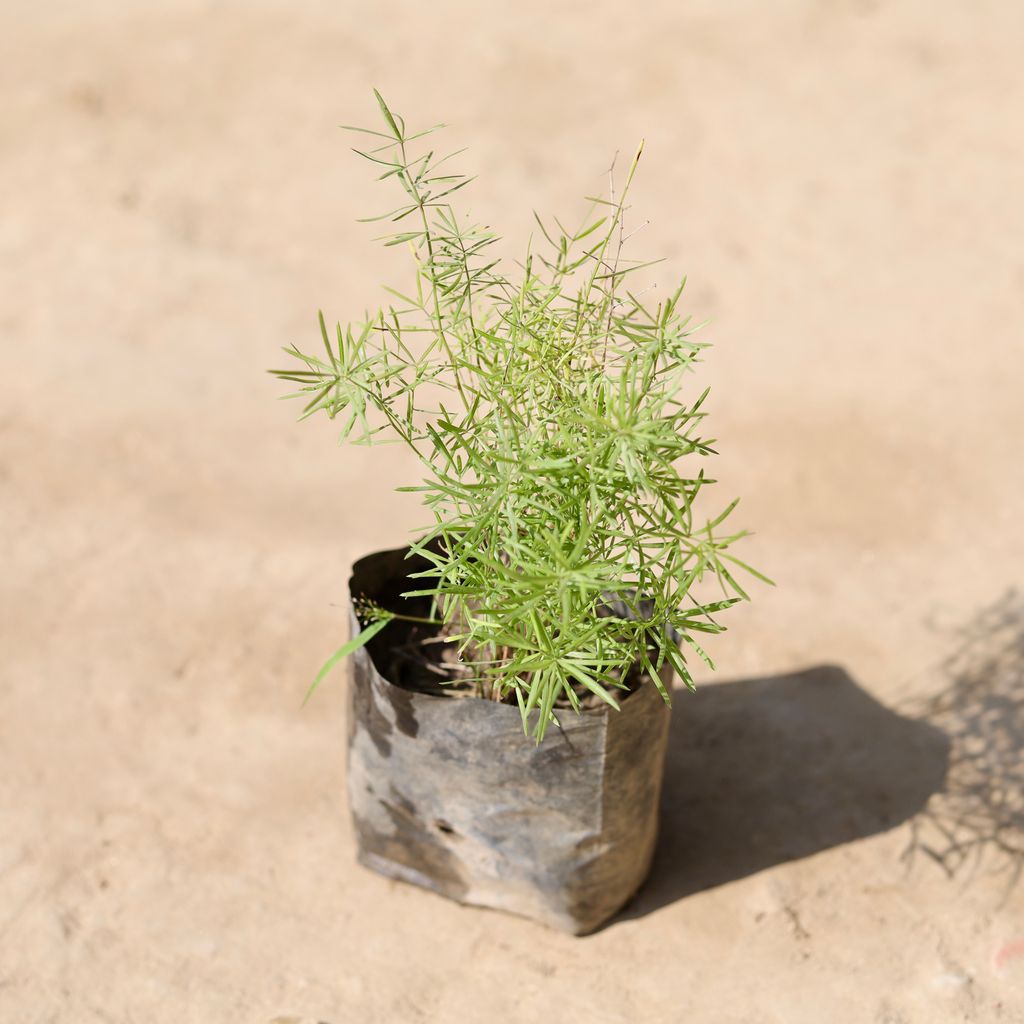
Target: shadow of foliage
point(976, 822)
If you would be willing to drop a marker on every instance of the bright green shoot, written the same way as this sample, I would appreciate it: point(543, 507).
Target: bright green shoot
point(548, 410)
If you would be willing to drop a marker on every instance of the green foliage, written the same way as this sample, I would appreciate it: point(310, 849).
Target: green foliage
point(547, 410)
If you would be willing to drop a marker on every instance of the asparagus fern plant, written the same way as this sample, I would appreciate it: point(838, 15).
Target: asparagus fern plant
point(560, 449)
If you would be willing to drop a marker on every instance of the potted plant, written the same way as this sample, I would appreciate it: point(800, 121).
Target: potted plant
point(511, 669)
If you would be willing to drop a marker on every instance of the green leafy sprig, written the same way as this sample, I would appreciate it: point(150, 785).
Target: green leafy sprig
point(559, 451)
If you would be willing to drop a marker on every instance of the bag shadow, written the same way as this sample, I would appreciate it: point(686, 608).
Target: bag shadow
point(764, 771)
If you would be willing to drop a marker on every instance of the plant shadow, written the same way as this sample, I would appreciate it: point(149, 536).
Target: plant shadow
point(976, 825)
point(764, 771)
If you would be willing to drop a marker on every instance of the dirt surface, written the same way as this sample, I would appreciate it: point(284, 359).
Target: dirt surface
point(842, 183)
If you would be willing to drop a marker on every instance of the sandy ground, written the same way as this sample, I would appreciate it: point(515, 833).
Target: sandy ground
point(841, 181)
